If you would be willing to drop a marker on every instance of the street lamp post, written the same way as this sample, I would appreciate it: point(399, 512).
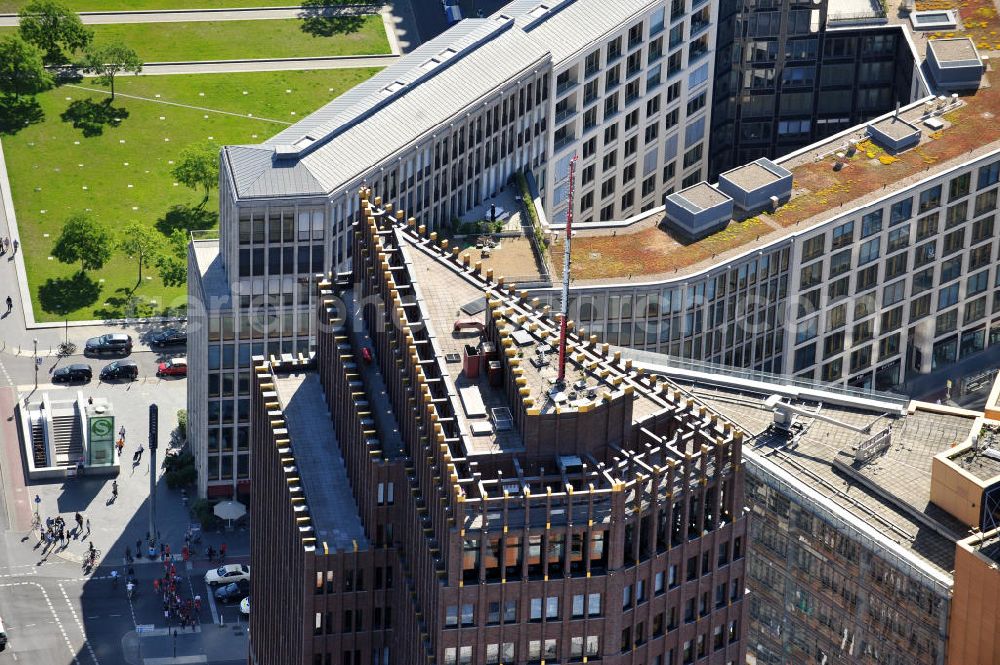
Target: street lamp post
point(35, 340)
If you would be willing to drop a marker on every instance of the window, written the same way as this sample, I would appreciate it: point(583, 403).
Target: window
point(468, 615)
point(631, 145)
point(929, 198)
point(840, 263)
point(974, 311)
point(805, 331)
point(920, 307)
point(956, 214)
point(895, 266)
point(839, 289)
point(959, 186)
point(862, 332)
point(811, 275)
point(833, 344)
point(980, 256)
point(833, 370)
point(871, 223)
point(986, 202)
point(552, 607)
point(843, 235)
point(923, 280)
point(804, 357)
point(982, 229)
point(693, 156)
point(953, 242)
point(925, 253)
point(535, 613)
point(977, 283)
point(893, 293)
point(951, 269)
point(614, 49)
point(578, 605)
point(836, 317)
point(927, 226)
point(947, 296)
point(989, 175)
point(813, 247)
point(594, 605)
point(861, 358)
point(898, 239)
point(869, 251)
point(608, 187)
point(946, 323)
point(590, 147)
point(867, 278)
point(698, 103)
point(892, 319)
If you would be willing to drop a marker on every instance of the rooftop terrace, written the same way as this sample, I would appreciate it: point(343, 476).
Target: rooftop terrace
point(969, 130)
point(318, 459)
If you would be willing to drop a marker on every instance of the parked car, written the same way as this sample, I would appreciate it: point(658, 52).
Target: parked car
point(120, 369)
point(72, 374)
point(109, 343)
point(168, 337)
point(232, 592)
point(231, 572)
point(173, 367)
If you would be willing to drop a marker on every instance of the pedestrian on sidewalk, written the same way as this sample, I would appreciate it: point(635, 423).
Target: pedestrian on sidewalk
point(114, 490)
point(3, 246)
point(120, 445)
point(16, 245)
point(156, 585)
point(10, 304)
point(88, 526)
point(79, 522)
point(121, 432)
point(222, 552)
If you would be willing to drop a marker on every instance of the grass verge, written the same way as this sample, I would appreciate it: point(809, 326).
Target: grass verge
point(13, 6)
point(78, 153)
point(231, 40)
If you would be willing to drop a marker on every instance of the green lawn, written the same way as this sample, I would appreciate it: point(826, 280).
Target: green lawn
point(230, 40)
point(123, 173)
point(12, 6)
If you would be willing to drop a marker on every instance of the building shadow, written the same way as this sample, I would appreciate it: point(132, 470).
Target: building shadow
point(92, 117)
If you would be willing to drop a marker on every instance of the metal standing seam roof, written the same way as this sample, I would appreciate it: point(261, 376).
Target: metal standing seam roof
point(352, 133)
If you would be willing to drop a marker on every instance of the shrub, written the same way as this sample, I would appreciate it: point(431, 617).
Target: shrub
point(203, 512)
point(182, 424)
point(179, 470)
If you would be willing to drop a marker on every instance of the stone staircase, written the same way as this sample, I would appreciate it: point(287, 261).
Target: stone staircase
point(38, 453)
point(68, 439)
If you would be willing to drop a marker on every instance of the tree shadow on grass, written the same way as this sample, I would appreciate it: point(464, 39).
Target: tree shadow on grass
point(320, 19)
point(92, 117)
point(126, 305)
point(62, 295)
point(187, 218)
point(16, 114)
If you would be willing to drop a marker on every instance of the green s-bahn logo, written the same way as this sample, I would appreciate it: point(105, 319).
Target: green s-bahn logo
point(101, 428)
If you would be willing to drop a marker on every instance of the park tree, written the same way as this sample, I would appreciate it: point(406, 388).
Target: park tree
point(138, 242)
point(22, 71)
point(198, 166)
point(86, 240)
point(53, 28)
point(110, 60)
point(172, 262)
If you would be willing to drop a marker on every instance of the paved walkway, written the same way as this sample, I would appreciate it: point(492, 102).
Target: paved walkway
point(182, 15)
point(267, 65)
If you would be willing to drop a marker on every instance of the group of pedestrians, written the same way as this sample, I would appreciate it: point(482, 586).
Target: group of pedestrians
point(175, 608)
point(6, 244)
point(54, 530)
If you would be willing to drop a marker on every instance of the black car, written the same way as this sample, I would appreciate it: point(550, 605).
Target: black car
point(168, 337)
point(233, 593)
point(120, 369)
point(110, 343)
point(72, 374)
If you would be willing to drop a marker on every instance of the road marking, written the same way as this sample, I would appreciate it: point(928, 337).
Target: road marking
point(76, 617)
point(211, 604)
point(62, 629)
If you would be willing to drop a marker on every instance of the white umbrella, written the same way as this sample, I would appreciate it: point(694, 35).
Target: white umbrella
point(230, 510)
